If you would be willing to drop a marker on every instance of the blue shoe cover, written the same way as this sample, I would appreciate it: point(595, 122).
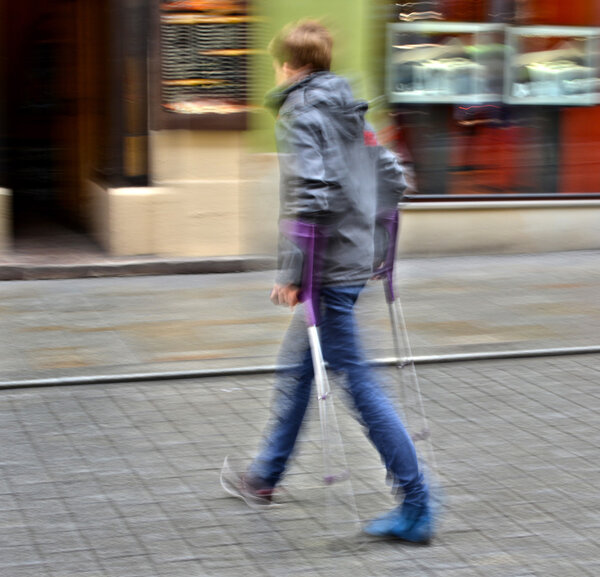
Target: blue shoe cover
point(407, 522)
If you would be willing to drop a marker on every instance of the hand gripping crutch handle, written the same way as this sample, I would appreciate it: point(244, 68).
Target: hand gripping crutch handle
point(309, 238)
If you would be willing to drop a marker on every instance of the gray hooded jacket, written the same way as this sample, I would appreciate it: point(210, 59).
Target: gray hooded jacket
point(334, 174)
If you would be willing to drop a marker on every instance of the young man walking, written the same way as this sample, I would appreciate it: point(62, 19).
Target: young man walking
point(335, 175)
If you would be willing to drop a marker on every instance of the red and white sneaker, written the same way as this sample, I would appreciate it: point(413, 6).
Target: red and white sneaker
point(254, 492)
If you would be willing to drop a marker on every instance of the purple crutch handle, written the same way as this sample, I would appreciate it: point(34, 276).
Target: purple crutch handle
point(389, 220)
point(309, 238)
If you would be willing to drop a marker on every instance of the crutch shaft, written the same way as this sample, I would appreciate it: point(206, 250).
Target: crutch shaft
point(322, 385)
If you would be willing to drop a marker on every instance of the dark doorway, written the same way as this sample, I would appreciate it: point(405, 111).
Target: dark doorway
point(54, 82)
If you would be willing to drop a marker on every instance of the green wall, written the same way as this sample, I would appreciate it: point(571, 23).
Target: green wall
point(355, 24)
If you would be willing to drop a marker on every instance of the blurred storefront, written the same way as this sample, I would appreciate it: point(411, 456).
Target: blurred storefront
point(139, 122)
point(496, 105)
point(499, 97)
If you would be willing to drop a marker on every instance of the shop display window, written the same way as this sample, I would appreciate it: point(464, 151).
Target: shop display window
point(552, 65)
point(444, 62)
point(490, 109)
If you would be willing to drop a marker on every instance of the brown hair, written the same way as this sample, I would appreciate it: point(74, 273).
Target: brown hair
point(304, 43)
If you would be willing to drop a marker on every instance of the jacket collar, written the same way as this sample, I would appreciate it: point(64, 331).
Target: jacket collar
point(275, 98)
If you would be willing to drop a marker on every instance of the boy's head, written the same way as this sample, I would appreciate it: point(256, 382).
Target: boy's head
point(304, 45)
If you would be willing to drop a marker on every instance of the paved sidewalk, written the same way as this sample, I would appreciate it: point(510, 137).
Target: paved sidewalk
point(74, 327)
point(123, 480)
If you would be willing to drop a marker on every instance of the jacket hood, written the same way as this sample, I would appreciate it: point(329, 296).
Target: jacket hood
point(327, 92)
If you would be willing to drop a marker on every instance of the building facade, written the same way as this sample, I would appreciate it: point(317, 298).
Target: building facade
point(139, 122)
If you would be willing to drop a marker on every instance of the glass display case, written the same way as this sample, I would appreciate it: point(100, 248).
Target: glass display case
point(552, 65)
point(445, 62)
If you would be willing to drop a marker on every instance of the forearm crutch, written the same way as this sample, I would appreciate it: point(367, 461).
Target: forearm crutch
point(310, 240)
point(389, 221)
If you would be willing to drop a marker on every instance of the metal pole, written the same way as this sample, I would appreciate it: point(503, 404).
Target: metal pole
point(107, 379)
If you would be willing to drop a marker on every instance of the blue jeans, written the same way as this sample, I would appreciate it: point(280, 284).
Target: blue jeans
point(293, 390)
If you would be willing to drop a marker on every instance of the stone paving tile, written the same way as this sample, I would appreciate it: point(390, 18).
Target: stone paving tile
point(121, 480)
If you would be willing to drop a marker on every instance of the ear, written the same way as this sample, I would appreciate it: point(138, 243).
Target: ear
point(291, 74)
point(288, 70)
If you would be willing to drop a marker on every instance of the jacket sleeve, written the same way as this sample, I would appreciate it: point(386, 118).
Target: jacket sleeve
point(391, 182)
point(306, 194)
point(290, 261)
